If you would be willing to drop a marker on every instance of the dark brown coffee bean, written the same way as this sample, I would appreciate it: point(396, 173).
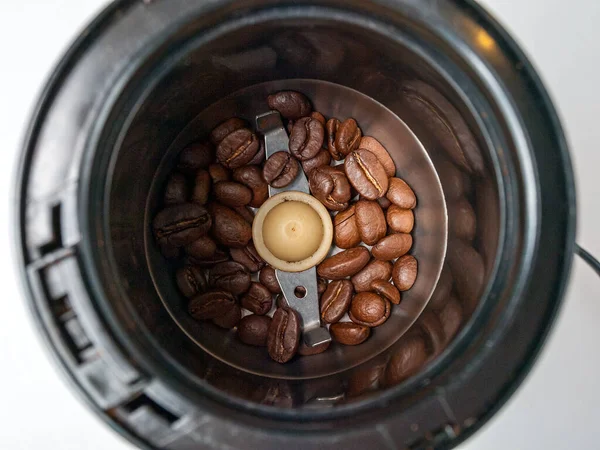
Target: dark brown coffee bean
point(408, 357)
point(375, 147)
point(366, 174)
point(201, 248)
point(370, 221)
point(209, 261)
point(248, 257)
point(284, 335)
point(259, 159)
point(211, 305)
point(462, 222)
point(224, 129)
point(180, 225)
point(218, 173)
point(392, 246)
point(290, 126)
point(433, 332)
point(229, 228)
point(318, 116)
point(404, 272)
point(281, 302)
point(336, 300)
point(230, 319)
point(258, 299)
point(384, 203)
point(375, 270)
point(347, 137)
point(230, 276)
point(176, 190)
point(345, 231)
point(251, 176)
point(232, 194)
point(290, 104)
point(387, 290)
point(332, 127)
point(195, 156)
point(331, 187)
point(280, 169)
point(306, 138)
point(321, 286)
point(366, 377)
point(344, 264)
point(253, 330)
point(238, 148)
point(323, 158)
point(268, 278)
point(441, 294)
point(305, 350)
point(349, 333)
point(191, 280)
point(201, 187)
point(400, 220)
point(246, 213)
point(400, 194)
point(451, 317)
point(468, 271)
point(456, 184)
point(369, 309)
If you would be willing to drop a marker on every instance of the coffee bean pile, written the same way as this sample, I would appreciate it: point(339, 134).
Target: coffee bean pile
point(207, 223)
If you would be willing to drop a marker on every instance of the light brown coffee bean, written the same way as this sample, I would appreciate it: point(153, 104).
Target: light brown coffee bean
point(232, 194)
point(462, 222)
point(344, 264)
point(384, 203)
point(201, 248)
point(369, 309)
point(400, 194)
point(375, 147)
point(408, 356)
point(370, 221)
point(284, 335)
point(349, 333)
point(336, 300)
point(451, 317)
point(225, 128)
point(392, 246)
point(230, 319)
point(404, 272)
point(258, 299)
point(268, 278)
point(387, 290)
point(253, 330)
point(211, 305)
point(441, 294)
point(218, 173)
point(251, 176)
point(366, 174)
point(347, 137)
point(345, 230)
point(332, 127)
point(375, 270)
point(400, 220)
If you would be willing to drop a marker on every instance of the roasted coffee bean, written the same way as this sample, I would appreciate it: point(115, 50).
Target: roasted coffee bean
point(369, 309)
point(209, 261)
point(195, 156)
point(246, 213)
point(456, 184)
point(451, 317)
point(248, 257)
point(468, 271)
point(375, 270)
point(238, 148)
point(290, 126)
point(433, 332)
point(280, 169)
point(253, 330)
point(306, 138)
point(336, 300)
point(230, 276)
point(392, 246)
point(462, 222)
point(290, 104)
point(268, 278)
point(408, 356)
point(404, 272)
point(331, 187)
point(228, 227)
point(201, 248)
point(384, 203)
point(232, 194)
point(259, 159)
point(400, 220)
point(251, 176)
point(370, 221)
point(211, 305)
point(345, 230)
point(230, 319)
point(284, 335)
point(445, 123)
point(321, 286)
point(305, 350)
point(344, 264)
point(176, 190)
point(201, 187)
point(191, 280)
point(332, 127)
point(375, 147)
point(224, 129)
point(441, 294)
point(366, 377)
point(218, 173)
point(400, 194)
point(323, 158)
point(180, 225)
point(258, 299)
point(318, 116)
point(366, 174)
point(387, 290)
point(347, 137)
point(349, 333)
point(281, 302)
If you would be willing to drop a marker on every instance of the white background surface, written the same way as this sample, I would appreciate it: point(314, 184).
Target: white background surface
point(556, 408)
